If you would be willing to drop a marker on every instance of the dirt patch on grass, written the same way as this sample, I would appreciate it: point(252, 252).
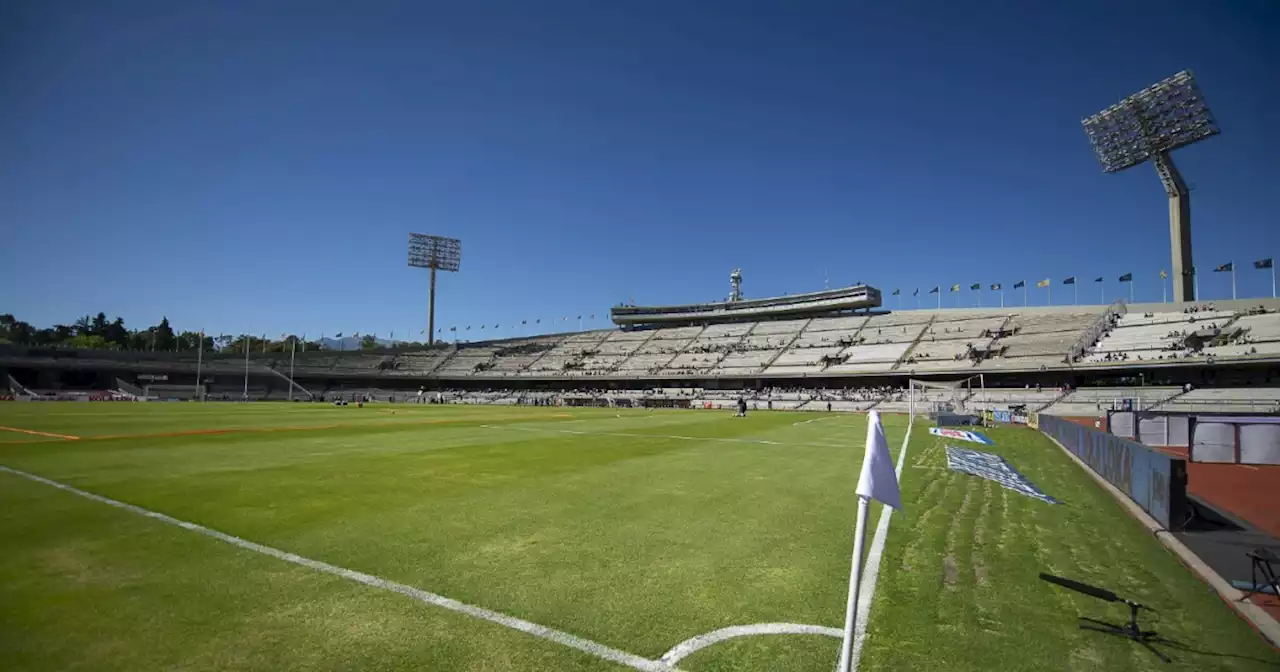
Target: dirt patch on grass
point(949, 571)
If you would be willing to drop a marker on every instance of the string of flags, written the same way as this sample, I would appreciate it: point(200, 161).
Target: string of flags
point(1229, 267)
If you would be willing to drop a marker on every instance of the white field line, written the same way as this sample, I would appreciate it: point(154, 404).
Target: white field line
point(871, 571)
point(693, 644)
point(667, 436)
point(541, 631)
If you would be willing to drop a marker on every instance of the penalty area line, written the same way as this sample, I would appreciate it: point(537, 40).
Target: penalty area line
point(541, 631)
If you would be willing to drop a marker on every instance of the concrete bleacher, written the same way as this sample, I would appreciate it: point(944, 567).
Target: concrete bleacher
point(419, 362)
point(781, 327)
point(1002, 398)
point(1097, 400)
point(1226, 400)
point(1198, 331)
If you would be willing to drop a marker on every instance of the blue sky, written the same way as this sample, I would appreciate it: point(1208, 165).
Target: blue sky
point(257, 166)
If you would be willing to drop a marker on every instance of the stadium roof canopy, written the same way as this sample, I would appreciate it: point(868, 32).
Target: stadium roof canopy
point(811, 304)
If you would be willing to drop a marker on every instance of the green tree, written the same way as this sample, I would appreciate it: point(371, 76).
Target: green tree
point(164, 338)
point(139, 340)
point(116, 335)
point(368, 342)
point(88, 342)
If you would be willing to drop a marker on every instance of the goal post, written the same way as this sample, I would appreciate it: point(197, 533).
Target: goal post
point(931, 397)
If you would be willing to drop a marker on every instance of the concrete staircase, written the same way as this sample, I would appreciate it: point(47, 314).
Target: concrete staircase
point(911, 348)
point(791, 342)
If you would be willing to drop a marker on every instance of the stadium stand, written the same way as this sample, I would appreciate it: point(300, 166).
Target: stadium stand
point(1225, 400)
point(1093, 400)
point(820, 358)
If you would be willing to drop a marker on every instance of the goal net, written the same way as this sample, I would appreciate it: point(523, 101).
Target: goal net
point(182, 392)
point(948, 397)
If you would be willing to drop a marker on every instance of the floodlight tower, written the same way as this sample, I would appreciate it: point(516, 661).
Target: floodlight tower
point(1147, 126)
point(434, 253)
point(735, 283)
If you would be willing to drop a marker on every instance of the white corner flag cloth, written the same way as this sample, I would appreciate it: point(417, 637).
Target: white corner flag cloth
point(878, 481)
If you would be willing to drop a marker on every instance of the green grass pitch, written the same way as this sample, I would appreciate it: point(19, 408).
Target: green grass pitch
point(634, 529)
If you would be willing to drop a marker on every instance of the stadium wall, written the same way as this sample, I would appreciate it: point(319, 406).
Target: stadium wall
point(1154, 481)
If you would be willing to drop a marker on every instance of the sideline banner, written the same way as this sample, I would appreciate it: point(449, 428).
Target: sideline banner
point(961, 435)
point(993, 468)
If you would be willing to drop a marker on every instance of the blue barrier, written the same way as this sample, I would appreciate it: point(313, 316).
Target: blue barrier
point(1155, 481)
point(1003, 416)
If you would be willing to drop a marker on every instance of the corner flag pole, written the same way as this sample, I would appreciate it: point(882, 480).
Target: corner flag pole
point(855, 578)
point(247, 338)
point(199, 363)
point(878, 481)
point(292, 351)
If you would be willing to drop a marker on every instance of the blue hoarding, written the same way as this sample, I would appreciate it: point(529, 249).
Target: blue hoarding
point(1157, 482)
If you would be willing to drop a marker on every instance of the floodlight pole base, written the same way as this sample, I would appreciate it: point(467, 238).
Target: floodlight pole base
point(1179, 227)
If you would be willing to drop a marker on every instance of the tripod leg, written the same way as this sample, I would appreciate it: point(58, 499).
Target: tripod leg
point(1143, 641)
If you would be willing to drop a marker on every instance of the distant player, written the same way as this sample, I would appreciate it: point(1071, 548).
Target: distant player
point(742, 407)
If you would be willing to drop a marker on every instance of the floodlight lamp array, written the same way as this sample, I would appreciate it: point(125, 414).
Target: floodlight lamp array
point(1167, 115)
point(438, 252)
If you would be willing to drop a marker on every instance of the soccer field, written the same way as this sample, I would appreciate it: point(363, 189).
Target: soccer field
point(496, 538)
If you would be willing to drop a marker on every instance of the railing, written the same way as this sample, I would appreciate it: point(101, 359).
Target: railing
point(17, 389)
point(128, 388)
point(1095, 331)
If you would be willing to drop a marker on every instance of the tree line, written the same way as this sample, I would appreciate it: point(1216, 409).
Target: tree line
point(99, 333)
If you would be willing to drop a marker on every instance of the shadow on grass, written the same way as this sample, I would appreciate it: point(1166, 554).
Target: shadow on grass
point(1186, 648)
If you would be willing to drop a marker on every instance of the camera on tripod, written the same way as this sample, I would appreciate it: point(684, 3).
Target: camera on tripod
point(1129, 630)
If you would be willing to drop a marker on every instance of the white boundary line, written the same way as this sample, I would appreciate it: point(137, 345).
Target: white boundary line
point(666, 436)
point(541, 631)
point(694, 644)
point(871, 571)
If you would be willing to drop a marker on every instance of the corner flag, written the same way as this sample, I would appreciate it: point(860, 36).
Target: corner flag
point(879, 481)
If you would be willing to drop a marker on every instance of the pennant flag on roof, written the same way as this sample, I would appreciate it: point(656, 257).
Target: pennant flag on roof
point(1225, 267)
point(1070, 281)
point(934, 290)
point(1264, 263)
point(897, 292)
point(1043, 283)
point(996, 287)
point(1163, 275)
point(1098, 279)
point(976, 285)
point(1020, 284)
point(1127, 277)
point(955, 287)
